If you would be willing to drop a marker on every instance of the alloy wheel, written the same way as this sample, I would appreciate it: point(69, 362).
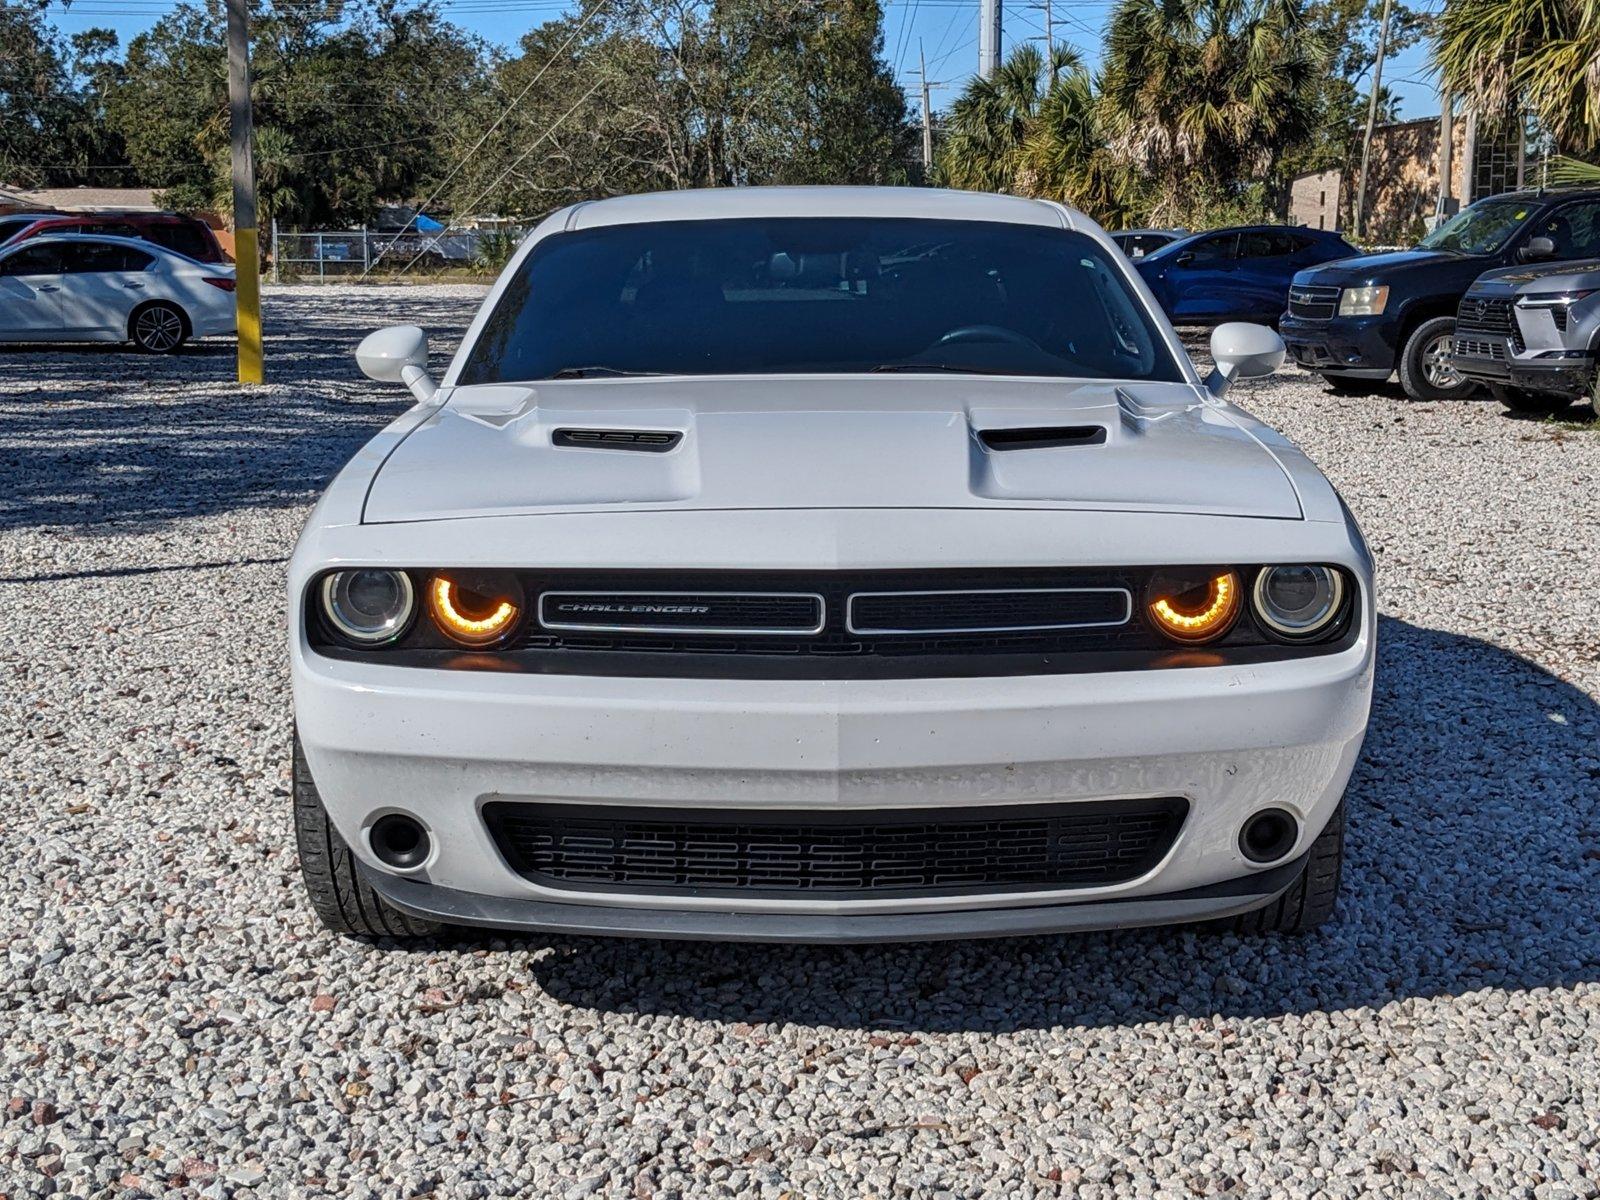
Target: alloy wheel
point(1436, 366)
point(158, 328)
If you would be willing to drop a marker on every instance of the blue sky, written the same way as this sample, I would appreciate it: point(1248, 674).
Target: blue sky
point(946, 30)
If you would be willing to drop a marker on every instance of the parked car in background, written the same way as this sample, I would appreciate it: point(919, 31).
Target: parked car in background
point(1136, 243)
point(825, 564)
point(1357, 322)
point(1530, 335)
point(189, 236)
point(110, 289)
point(1238, 274)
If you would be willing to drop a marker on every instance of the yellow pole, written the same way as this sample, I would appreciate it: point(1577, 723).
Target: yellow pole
point(247, 261)
point(248, 294)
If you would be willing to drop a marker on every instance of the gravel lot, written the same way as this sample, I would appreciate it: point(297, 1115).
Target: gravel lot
point(173, 1022)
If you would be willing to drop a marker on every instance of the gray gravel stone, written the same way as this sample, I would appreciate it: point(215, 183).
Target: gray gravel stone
point(161, 1031)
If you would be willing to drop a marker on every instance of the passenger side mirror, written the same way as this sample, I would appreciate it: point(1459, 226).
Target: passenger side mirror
point(1242, 351)
point(1538, 247)
point(398, 354)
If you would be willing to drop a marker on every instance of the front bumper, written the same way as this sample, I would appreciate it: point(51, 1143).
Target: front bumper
point(1493, 358)
point(441, 744)
point(1360, 347)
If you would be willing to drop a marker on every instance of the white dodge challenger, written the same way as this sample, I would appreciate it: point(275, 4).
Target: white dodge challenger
point(852, 564)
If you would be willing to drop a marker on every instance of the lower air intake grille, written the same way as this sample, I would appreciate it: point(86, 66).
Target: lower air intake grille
point(755, 852)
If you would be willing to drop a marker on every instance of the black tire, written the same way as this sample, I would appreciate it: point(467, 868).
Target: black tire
point(339, 896)
point(158, 327)
point(1349, 385)
point(1419, 358)
point(1311, 898)
point(1537, 404)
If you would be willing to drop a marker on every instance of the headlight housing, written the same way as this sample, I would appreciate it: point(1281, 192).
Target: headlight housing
point(474, 610)
point(1194, 607)
point(368, 606)
point(1363, 301)
point(1297, 602)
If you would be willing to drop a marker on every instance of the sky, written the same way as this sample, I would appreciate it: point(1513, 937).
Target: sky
point(945, 30)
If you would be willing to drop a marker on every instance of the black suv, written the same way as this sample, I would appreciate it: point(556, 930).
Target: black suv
point(1356, 321)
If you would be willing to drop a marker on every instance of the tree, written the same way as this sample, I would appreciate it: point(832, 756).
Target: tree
point(351, 101)
point(1542, 54)
point(1208, 95)
point(52, 131)
point(1034, 129)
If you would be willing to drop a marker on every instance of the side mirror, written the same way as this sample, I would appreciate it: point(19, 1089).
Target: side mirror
point(398, 354)
point(1242, 351)
point(1538, 247)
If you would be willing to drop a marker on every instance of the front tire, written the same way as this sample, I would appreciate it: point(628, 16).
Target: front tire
point(1425, 369)
point(1310, 900)
point(342, 900)
point(158, 327)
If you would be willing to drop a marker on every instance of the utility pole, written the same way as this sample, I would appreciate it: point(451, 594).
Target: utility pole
point(989, 18)
point(1447, 154)
point(1049, 38)
point(927, 113)
point(1372, 117)
point(247, 258)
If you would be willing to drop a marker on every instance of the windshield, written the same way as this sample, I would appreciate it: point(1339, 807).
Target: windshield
point(1480, 228)
point(829, 295)
point(11, 226)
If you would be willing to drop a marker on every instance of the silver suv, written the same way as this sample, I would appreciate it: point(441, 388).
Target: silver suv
point(1531, 335)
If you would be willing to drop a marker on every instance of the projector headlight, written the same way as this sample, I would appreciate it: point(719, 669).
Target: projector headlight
point(1297, 603)
point(368, 607)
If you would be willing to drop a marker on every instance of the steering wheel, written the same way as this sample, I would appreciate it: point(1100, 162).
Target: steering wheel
point(987, 333)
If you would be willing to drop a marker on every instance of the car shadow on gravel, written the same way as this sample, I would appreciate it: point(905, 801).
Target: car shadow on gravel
point(98, 437)
point(1473, 862)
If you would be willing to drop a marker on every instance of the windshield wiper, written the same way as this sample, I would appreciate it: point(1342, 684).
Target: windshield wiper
point(596, 372)
point(884, 368)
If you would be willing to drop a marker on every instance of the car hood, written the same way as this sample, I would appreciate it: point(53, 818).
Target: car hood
point(1379, 267)
point(1551, 277)
point(830, 442)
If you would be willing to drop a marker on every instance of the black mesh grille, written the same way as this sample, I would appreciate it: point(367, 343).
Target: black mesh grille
point(933, 612)
point(788, 853)
point(1477, 348)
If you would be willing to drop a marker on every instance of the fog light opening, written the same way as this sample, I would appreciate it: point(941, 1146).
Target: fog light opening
point(399, 841)
point(1269, 835)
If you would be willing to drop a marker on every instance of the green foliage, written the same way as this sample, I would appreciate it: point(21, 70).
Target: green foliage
point(1542, 54)
point(52, 129)
point(1209, 92)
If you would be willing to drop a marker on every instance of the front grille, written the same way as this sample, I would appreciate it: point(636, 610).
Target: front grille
point(996, 611)
point(1558, 314)
point(1313, 301)
point(1474, 349)
point(682, 612)
point(1489, 314)
point(757, 852)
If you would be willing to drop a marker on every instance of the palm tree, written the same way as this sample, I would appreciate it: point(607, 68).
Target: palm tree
point(1207, 93)
point(1032, 129)
point(1544, 54)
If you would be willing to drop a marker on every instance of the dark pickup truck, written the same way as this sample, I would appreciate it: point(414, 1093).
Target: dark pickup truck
point(1357, 321)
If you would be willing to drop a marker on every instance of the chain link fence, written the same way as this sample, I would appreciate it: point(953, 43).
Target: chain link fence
point(349, 254)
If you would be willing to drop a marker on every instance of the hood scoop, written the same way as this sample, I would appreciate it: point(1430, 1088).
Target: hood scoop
point(650, 441)
point(1043, 437)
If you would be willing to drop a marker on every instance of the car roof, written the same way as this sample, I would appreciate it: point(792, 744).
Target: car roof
point(110, 239)
point(713, 203)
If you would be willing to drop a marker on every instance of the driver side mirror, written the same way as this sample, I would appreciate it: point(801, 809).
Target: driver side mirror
point(1538, 247)
point(398, 354)
point(1242, 351)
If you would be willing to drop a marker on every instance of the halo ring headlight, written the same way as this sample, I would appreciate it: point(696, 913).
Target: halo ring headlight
point(1297, 601)
point(1194, 607)
point(470, 613)
point(368, 606)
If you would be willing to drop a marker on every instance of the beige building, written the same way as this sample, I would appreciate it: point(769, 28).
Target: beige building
point(1403, 178)
point(77, 199)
